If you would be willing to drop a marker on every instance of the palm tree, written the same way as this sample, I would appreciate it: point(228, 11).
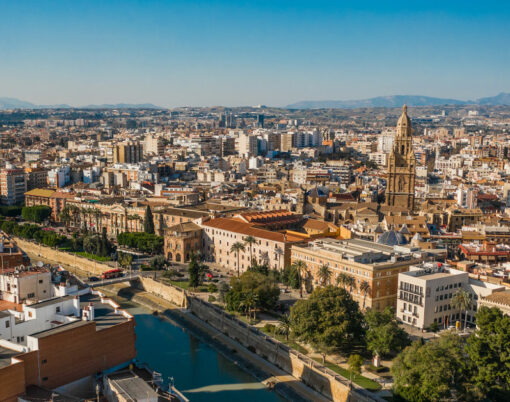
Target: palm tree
point(249, 241)
point(284, 326)
point(301, 269)
point(462, 300)
point(237, 247)
point(249, 302)
point(351, 282)
point(365, 288)
point(342, 279)
point(324, 274)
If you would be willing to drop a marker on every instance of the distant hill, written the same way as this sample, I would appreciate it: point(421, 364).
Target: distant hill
point(399, 100)
point(13, 103)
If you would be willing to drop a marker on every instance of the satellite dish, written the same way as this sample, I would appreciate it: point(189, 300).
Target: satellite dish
point(40, 264)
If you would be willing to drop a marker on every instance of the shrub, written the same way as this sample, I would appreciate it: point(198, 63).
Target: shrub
point(37, 213)
point(212, 288)
point(211, 299)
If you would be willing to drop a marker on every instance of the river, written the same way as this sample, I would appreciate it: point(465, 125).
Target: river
point(200, 372)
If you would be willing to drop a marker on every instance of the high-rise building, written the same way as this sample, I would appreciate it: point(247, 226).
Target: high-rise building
point(13, 185)
point(260, 120)
point(401, 166)
point(127, 152)
point(154, 145)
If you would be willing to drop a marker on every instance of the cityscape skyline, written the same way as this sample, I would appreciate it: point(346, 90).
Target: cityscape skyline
point(223, 53)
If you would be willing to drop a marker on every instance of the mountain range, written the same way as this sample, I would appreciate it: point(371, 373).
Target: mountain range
point(399, 100)
point(13, 103)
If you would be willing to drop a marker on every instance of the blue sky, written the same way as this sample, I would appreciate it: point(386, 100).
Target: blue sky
point(176, 53)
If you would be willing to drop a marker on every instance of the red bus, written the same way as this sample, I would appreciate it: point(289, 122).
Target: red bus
point(112, 273)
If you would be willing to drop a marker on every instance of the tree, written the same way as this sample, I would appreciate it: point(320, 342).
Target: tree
point(223, 290)
point(148, 222)
point(325, 274)
point(266, 290)
point(284, 326)
point(342, 279)
point(250, 241)
point(158, 262)
point(355, 362)
point(329, 316)
point(124, 259)
point(384, 335)
point(489, 351)
point(301, 268)
point(37, 213)
point(462, 300)
point(290, 277)
point(236, 248)
point(432, 371)
point(249, 303)
point(196, 271)
point(365, 288)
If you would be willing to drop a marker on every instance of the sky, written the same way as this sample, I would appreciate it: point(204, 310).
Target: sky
point(240, 53)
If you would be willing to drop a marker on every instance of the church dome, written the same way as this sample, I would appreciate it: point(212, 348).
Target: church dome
point(392, 238)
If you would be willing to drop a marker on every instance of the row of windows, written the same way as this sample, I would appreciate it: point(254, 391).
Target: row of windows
point(411, 288)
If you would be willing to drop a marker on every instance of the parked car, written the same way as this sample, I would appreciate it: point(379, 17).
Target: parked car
point(93, 279)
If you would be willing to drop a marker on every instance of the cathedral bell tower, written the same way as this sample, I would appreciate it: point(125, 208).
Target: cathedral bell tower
point(401, 166)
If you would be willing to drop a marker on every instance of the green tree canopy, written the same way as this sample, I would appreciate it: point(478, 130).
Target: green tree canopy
point(37, 213)
point(329, 316)
point(196, 271)
point(148, 221)
point(434, 371)
point(489, 351)
point(384, 334)
point(266, 291)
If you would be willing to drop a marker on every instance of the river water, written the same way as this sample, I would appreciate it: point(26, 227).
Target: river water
point(200, 372)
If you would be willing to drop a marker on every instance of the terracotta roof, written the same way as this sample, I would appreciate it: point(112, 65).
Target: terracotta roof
point(315, 224)
point(247, 229)
point(184, 227)
point(499, 297)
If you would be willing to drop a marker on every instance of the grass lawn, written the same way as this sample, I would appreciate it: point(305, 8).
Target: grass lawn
point(364, 382)
point(92, 256)
point(291, 343)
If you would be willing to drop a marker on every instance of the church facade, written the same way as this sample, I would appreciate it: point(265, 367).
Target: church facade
point(401, 166)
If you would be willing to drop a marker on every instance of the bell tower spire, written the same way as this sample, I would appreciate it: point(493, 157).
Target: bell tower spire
point(401, 165)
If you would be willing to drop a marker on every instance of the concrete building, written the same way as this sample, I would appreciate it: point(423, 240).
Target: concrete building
point(20, 284)
point(425, 295)
point(376, 264)
point(64, 340)
point(153, 145)
point(127, 152)
point(13, 185)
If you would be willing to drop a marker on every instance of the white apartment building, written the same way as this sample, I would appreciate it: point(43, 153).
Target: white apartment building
point(425, 295)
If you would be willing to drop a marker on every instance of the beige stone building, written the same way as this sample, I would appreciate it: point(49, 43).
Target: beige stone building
point(271, 248)
point(376, 264)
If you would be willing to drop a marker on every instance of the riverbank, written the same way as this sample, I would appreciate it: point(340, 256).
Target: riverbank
point(283, 384)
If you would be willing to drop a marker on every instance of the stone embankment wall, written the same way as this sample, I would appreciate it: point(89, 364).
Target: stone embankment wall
point(311, 373)
point(170, 293)
point(62, 257)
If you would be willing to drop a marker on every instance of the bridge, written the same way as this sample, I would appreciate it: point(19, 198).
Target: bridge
point(120, 279)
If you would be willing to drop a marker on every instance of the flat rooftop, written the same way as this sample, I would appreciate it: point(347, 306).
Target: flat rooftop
point(131, 387)
point(104, 314)
point(357, 250)
point(5, 356)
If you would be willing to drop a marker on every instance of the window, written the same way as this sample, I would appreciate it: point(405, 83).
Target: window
point(57, 309)
point(7, 324)
point(30, 295)
point(40, 281)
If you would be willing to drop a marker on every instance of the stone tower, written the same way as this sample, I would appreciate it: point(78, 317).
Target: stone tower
point(401, 166)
